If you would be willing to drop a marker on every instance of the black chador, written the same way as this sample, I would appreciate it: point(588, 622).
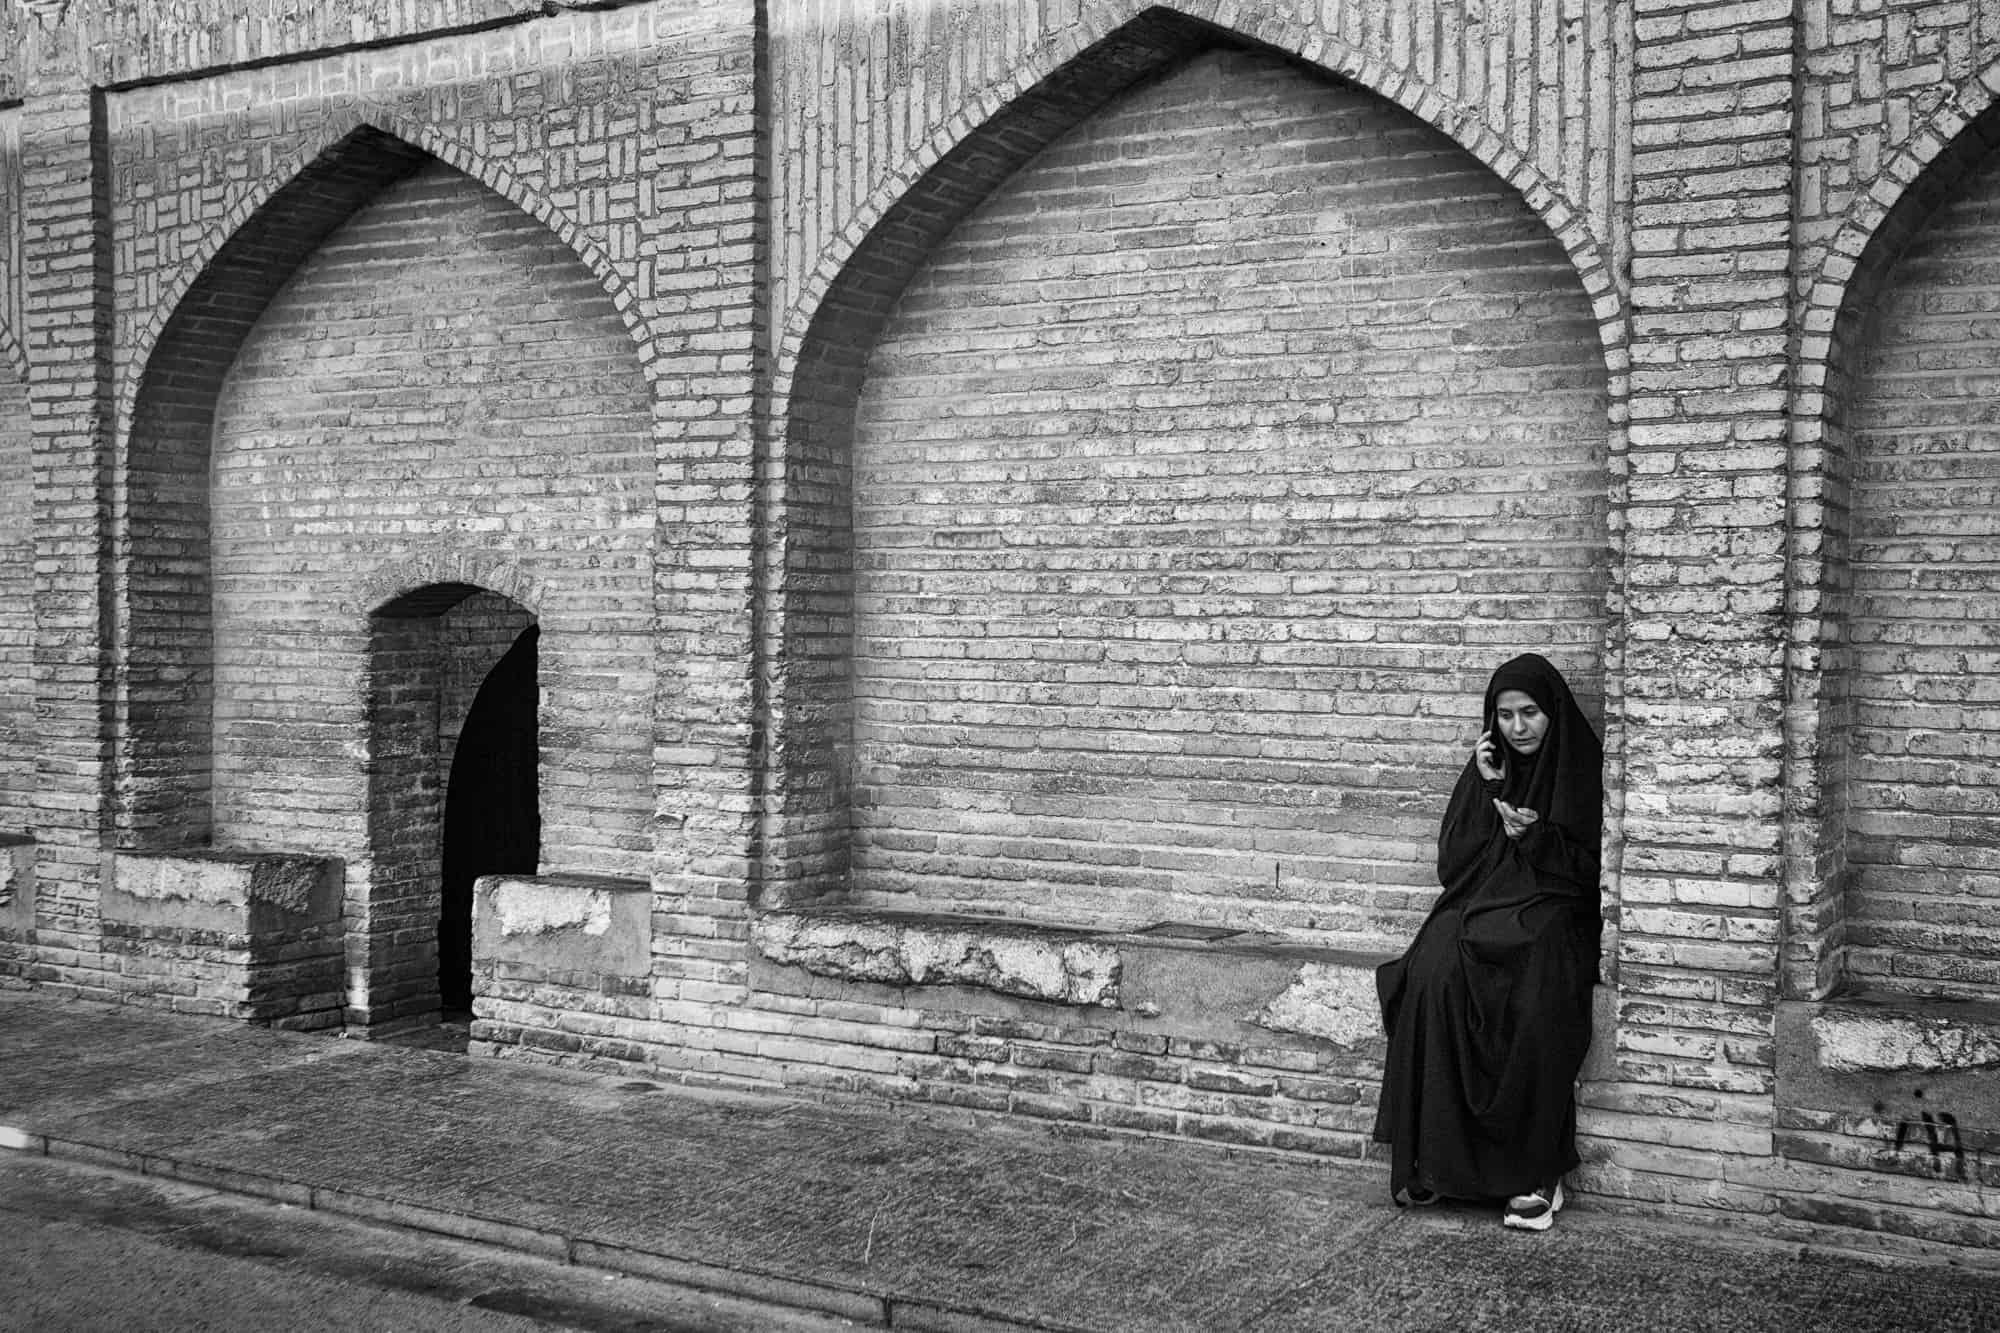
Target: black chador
point(1488, 1014)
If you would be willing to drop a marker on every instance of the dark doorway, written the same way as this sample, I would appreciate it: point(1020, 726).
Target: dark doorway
point(492, 814)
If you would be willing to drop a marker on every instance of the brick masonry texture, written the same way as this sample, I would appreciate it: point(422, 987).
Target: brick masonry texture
point(1188, 477)
point(441, 372)
point(1064, 460)
point(1922, 692)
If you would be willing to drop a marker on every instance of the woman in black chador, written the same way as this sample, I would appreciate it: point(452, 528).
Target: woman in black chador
point(1488, 1014)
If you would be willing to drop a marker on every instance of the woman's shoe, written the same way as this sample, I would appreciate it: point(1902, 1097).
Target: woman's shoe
point(1537, 1211)
point(1412, 1196)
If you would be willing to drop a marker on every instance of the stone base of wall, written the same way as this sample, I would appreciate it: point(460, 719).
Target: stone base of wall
point(17, 909)
point(244, 935)
point(561, 966)
point(1177, 1030)
point(1889, 1116)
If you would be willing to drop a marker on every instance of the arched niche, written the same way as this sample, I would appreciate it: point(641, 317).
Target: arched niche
point(392, 369)
point(1157, 498)
point(1903, 898)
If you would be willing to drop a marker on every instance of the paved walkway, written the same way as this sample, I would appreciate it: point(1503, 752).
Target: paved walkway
point(910, 1219)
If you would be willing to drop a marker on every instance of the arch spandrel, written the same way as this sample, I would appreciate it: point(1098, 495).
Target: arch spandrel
point(1170, 31)
point(352, 157)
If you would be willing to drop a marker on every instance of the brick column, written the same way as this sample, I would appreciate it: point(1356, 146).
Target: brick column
point(67, 341)
point(1701, 881)
point(703, 261)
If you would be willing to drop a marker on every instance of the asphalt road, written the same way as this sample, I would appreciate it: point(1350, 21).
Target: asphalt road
point(89, 1250)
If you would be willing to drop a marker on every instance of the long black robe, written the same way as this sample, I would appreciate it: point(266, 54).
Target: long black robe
point(1488, 1013)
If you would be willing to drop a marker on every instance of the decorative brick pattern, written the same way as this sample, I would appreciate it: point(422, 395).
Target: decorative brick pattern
point(1873, 84)
point(1542, 78)
point(121, 43)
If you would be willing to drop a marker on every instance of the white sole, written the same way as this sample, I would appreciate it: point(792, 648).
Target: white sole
point(1539, 1223)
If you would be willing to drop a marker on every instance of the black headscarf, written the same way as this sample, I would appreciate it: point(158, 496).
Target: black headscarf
point(1562, 782)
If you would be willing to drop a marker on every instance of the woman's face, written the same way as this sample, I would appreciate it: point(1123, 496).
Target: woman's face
point(1521, 720)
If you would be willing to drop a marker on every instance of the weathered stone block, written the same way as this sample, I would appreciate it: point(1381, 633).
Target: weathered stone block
point(17, 883)
point(1012, 958)
point(547, 925)
point(238, 892)
point(250, 935)
point(1329, 1000)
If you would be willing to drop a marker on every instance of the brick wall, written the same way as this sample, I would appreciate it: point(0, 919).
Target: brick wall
point(814, 488)
point(66, 333)
point(1199, 479)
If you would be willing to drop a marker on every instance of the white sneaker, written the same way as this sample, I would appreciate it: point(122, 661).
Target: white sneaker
point(1534, 1212)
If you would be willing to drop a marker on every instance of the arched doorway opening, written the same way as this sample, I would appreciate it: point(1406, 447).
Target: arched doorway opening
point(454, 789)
point(492, 813)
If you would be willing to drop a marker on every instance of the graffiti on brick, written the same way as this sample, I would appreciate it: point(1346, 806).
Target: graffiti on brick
point(1935, 1133)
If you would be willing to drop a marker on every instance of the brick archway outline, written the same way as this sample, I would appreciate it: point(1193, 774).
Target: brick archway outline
point(399, 579)
point(165, 412)
point(823, 338)
point(392, 933)
point(1212, 20)
point(1873, 230)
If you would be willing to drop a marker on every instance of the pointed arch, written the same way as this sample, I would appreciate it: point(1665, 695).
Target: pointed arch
point(416, 585)
point(167, 410)
point(350, 160)
point(1879, 221)
point(999, 127)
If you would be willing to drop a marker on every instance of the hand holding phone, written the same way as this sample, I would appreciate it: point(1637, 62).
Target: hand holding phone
point(1514, 819)
point(1487, 757)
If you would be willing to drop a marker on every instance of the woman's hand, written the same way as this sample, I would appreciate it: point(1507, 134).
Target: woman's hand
point(1487, 758)
point(1514, 820)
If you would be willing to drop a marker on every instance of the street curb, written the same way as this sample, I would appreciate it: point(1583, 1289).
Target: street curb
point(876, 1309)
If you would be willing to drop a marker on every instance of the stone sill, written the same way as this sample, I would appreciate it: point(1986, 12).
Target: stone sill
point(1873, 1032)
point(1187, 979)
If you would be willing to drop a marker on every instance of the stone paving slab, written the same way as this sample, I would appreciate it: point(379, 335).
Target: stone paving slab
point(920, 1217)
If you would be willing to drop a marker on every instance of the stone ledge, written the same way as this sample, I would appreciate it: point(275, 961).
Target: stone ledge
point(591, 925)
point(1188, 981)
point(1880, 1032)
point(1014, 958)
